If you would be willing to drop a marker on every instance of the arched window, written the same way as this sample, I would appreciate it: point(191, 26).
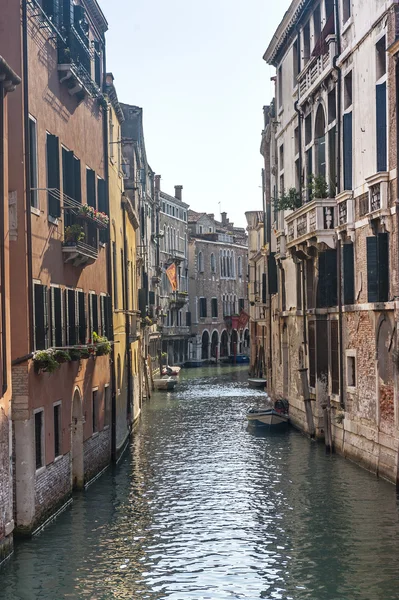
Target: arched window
point(239, 266)
point(221, 262)
point(320, 141)
point(200, 263)
point(228, 264)
point(164, 238)
point(213, 263)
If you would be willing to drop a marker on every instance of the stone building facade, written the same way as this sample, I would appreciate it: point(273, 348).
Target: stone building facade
point(174, 250)
point(330, 190)
point(217, 287)
point(61, 421)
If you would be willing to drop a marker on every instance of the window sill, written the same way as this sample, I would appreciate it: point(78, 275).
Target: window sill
point(58, 458)
point(35, 211)
point(351, 389)
point(53, 220)
point(40, 471)
point(95, 434)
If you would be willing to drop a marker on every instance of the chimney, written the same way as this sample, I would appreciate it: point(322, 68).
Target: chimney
point(157, 183)
point(224, 218)
point(178, 191)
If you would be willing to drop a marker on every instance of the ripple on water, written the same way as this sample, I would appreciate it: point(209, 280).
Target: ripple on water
point(204, 508)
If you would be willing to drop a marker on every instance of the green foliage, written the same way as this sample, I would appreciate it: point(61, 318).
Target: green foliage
point(288, 200)
point(75, 354)
point(103, 347)
point(45, 362)
point(62, 356)
point(74, 233)
point(318, 187)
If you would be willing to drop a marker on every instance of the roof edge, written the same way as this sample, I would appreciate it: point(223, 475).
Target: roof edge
point(283, 30)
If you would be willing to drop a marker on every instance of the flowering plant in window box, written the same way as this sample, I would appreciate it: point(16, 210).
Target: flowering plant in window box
point(75, 354)
point(103, 347)
point(45, 362)
point(89, 212)
point(62, 356)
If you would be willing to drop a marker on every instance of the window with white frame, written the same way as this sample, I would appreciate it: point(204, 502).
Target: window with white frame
point(351, 368)
point(39, 438)
point(200, 262)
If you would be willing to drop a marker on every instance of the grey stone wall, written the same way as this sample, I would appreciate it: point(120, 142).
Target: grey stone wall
point(97, 453)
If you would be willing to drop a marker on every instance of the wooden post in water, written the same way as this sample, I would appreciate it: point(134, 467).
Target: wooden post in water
point(151, 373)
point(147, 384)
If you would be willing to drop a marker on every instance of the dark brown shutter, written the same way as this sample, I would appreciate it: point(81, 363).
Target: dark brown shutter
point(40, 294)
point(91, 188)
point(372, 269)
point(70, 296)
point(82, 325)
point(272, 274)
point(383, 267)
point(334, 358)
point(381, 126)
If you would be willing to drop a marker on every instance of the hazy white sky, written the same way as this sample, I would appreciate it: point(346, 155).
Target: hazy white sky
point(197, 71)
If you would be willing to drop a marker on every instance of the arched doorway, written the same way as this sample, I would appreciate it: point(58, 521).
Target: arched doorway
point(385, 375)
point(77, 467)
point(215, 344)
point(205, 345)
point(234, 342)
point(224, 344)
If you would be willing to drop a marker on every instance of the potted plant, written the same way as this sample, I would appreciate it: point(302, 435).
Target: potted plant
point(44, 362)
point(74, 234)
point(84, 354)
point(75, 354)
point(62, 356)
point(103, 347)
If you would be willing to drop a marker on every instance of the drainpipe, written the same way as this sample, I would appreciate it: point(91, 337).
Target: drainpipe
point(2, 257)
point(27, 171)
point(127, 321)
point(109, 268)
point(339, 245)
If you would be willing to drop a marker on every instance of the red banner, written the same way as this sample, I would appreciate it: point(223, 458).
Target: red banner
point(243, 319)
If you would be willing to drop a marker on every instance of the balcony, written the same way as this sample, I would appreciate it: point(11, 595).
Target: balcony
point(176, 255)
point(313, 222)
point(176, 331)
point(79, 254)
point(75, 65)
point(316, 70)
point(178, 300)
point(134, 326)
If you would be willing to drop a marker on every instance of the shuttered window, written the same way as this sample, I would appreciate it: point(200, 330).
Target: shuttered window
point(40, 297)
point(334, 358)
point(298, 287)
point(57, 430)
point(82, 321)
point(272, 274)
point(53, 175)
point(348, 273)
point(214, 307)
point(91, 188)
point(93, 303)
point(378, 268)
point(203, 307)
point(105, 308)
point(264, 288)
point(39, 439)
point(34, 198)
point(77, 181)
point(327, 286)
point(312, 354)
point(381, 126)
point(309, 283)
point(188, 319)
point(70, 311)
point(241, 304)
point(102, 206)
point(124, 283)
point(347, 150)
point(57, 337)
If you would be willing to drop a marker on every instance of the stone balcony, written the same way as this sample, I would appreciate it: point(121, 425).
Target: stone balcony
point(316, 71)
point(176, 330)
point(79, 254)
point(178, 300)
point(312, 224)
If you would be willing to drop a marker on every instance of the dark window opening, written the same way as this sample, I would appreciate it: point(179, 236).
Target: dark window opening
point(312, 354)
point(348, 90)
point(327, 285)
point(347, 151)
point(214, 307)
point(309, 283)
point(306, 43)
point(57, 430)
point(53, 175)
point(39, 458)
point(378, 268)
point(332, 106)
point(82, 318)
point(381, 58)
point(34, 199)
point(203, 308)
point(346, 10)
point(308, 130)
point(381, 126)
point(348, 279)
point(95, 411)
point(70, 296)
point(295, 65)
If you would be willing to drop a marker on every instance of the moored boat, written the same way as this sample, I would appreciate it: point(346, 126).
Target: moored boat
point(239, 359)
point(165, 383)
point(171, 371)
point(256, 382)
point(270, 415)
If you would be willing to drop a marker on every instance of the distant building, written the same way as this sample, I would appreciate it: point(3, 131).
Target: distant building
point(174, 250)
point(217, 287)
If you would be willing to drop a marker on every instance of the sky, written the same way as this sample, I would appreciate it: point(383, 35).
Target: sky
point(196, 69)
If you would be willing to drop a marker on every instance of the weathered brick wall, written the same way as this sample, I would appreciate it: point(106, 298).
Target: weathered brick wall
point(97, 453)
point(52, 489)
point(5, 483)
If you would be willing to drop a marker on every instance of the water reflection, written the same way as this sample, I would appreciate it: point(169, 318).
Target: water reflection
point(205, 508)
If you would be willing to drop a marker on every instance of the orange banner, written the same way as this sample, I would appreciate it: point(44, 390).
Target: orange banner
point(171, 272)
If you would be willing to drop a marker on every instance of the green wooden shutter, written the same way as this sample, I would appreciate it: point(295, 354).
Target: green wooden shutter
point(381, 126)
point(102, 206)
point(68, 178)
point(41, 316)
point(82, 325)
point(331, 278)
point(56, 317)
point(91, 188)
point(272, 273)
point(53, 175)
point(77, 180)
point(383, 267)
point(348, 274)
point(372, 269)
point(71, 316)
point(347, 150)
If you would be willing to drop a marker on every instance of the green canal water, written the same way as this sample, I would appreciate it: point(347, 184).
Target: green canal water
point(203, 508)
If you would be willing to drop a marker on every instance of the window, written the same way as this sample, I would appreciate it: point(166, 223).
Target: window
point(296, 140)
point(351, 370)
point(70, 301)
point(316, 24)
point(241, 303)
point(53, 175)
point(97, 63)
point(348, 93)
point(381, 125)
point(40, 298)
point(56, 317)
point(378, 268)
point(95, 410)
point(57, 430)
point(102, 206)
point(214, 307)
point(200, 262)
point(107, 405)
point(115, 277)
point(346, 10)
point(312, 354)
point(348, 273)
point(123, 280)
point(71, 175)
point(93, 305)
point(82, 334)
point(309, 283)
point(239, 266)
point(213, 263)
point(105, 308)
point(327, 286)
point(332, 106)
point(283, 292)
point(299, 286)
point(334, 358)
point(39, 439)
point(306, 43)
point(347, 150)
point(295, 66)
point(332, 161)
point(381, 61)
point(308, 130)
point(203, 308)
point(34, 198)
point(200, 228)
point(280, 86)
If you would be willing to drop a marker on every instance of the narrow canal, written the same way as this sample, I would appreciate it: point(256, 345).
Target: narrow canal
point(202, 508)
